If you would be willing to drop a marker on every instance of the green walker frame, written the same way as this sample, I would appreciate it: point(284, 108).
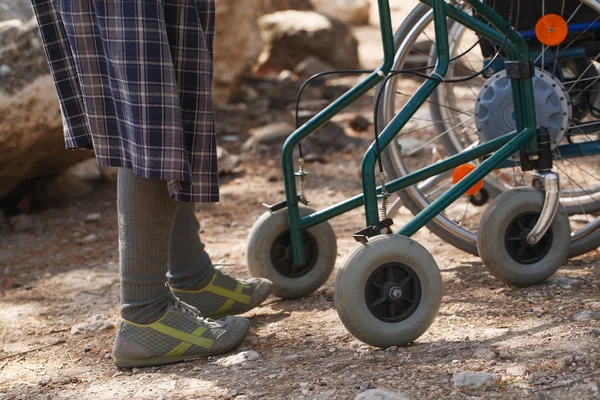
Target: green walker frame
point(525, 136)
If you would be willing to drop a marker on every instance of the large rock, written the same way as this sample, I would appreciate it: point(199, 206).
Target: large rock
point(15, 9)
point(291, 36)
point(271, 6)
point(238, 44)
point(353, 12)
point(269, 140)
point(31, 133)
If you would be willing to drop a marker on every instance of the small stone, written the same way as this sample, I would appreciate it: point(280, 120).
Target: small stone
point(97, 323)
point(251, 340)
point(135, 371)
point(87, 170)
point(87, 349)
point(273, 178)
point(517, 370)
point(474, 380)
point(226, 161)
point(21, 223)
point(312, 65)
point(484, 353)
point(563, 362)
point(564, 281)
point(239, 358)
point(360, 123)
point(93, 217)
point(5, 70)
point(587, 315)
point(380, 394)
point(108, 356)
point(91, 238)
point(332, 350)
point(304, 388)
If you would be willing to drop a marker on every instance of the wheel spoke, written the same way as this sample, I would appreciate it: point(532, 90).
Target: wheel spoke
point(282, 259)
point(405, 281)
point(377, 302)
point(408, 300)
point(392, 310)
point(390, 274)
point(514, 238)
point(378, 286)
point(521, 251)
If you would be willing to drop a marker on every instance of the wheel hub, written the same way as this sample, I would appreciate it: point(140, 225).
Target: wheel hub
point(517, 245)
point(495, 112)
point(282, 255)
point(393, 292)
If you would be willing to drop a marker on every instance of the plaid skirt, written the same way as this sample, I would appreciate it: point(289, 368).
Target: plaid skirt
point(134, 80)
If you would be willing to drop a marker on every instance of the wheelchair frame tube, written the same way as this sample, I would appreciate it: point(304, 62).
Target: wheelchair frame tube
point(516, 48)
point(408, 180)
point(323, 117)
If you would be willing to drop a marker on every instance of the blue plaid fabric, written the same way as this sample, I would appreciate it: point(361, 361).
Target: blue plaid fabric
point(134, 79)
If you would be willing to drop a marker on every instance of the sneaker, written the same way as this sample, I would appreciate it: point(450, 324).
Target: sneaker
point(225, 295)
point(179, 335)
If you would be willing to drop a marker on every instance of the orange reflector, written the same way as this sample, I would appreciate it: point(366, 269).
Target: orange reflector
point(551, 30)
point(460, 173)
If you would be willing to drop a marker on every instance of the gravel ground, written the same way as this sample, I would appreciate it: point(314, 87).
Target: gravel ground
point(59, 300)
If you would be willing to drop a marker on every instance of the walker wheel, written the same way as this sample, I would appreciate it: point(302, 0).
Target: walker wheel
point(269, 254)
point(389, 291)
point(502, 238)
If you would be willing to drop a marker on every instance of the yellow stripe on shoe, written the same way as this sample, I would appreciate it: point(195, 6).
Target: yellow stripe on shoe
point(184, 346)
point(230, 302)
point(235, 295)
point(179, 350)
point(185, 337)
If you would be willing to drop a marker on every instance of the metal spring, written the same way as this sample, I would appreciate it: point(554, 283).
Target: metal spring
point(384, 207)
point(302, 196)
point(384, 196)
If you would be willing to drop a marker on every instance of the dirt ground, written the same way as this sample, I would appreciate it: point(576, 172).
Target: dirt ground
point(64, 271)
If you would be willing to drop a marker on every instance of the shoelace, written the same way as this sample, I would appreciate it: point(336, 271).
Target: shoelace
point(193, 311)
point(220, 266)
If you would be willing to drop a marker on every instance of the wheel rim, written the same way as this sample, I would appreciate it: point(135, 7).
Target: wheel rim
point(516, 243)
point(281, 255)
point(393, 292)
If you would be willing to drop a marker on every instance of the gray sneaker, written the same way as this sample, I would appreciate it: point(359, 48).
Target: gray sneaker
point(225, 295)
point(180, 335)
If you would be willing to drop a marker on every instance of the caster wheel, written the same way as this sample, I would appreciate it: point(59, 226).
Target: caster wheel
point(480, 199)
point(389, 291)
point(502, 238)
point(269, 254)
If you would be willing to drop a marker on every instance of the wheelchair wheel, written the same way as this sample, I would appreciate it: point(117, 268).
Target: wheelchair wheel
point(460, 115)
point(269, 254)
point(388, 291)
point(502, 238)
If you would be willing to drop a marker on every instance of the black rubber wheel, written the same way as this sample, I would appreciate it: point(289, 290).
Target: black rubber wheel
point(269, 254)
point(502, 238)
point(388, 291)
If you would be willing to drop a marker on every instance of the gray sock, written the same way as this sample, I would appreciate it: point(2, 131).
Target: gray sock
point(146, 218)
point(190, 266)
